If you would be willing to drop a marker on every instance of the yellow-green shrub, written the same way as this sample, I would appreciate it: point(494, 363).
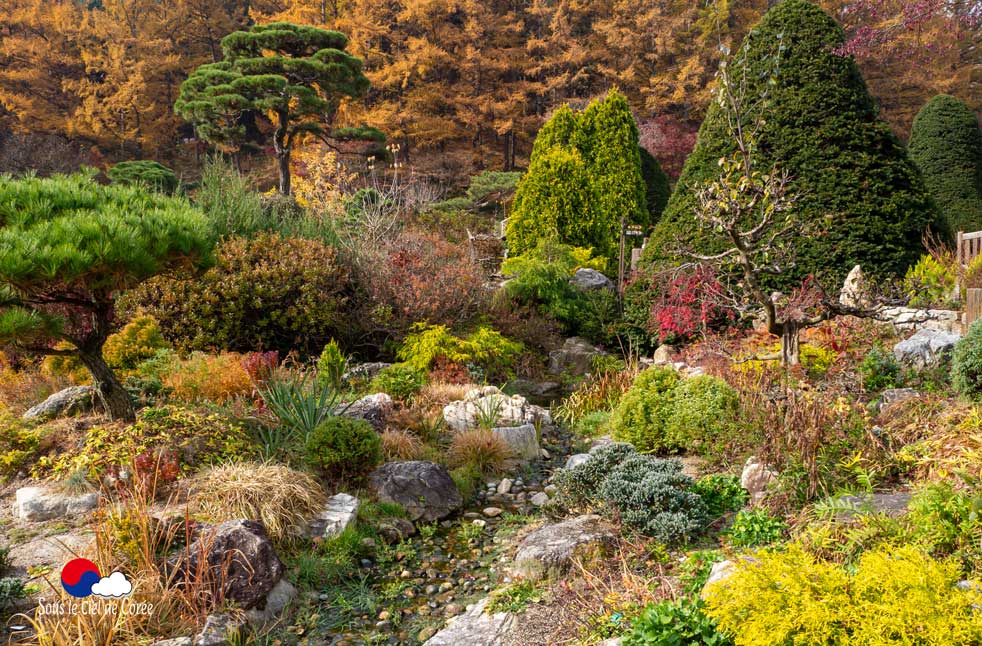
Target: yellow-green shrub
point(643, 411)
point(895, 596)
point(931, 282)
point(196, 438)
point(138, 341)
point(484, 347)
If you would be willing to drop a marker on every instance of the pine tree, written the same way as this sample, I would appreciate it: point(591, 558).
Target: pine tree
point(296, 76)
point(946, 144)
point(656, 185)
point(69, 247)
point(853, 177)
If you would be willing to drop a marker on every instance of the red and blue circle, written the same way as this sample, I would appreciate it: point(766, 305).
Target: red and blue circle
point(78, 576)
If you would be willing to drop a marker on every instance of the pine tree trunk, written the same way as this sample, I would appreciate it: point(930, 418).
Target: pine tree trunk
point(110, 392)
point(790, 345)
point(283, 162)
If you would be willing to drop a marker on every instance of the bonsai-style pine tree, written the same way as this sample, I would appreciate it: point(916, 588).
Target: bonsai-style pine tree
point(68, 246)
point(858, 194)
point(292, 75)
point(585, 174)
point(946, 144)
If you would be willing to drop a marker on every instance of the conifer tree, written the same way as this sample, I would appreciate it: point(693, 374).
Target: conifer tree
point(821, 126)
point(295, 76)
point(946, 144)
point(68, 246)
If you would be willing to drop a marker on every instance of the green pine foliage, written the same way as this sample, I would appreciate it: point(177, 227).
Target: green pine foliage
point(656, 186)
point(148, 173)
point(946, 144)
point(852, 177)
point(585, 174)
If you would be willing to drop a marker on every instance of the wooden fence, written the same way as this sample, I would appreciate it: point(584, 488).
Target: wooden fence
point(969, 247)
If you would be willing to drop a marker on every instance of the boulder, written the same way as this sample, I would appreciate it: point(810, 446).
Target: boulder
point(275, 603)
point(340, 512)
point(395, 530)
point(424, 489)
point(238, 553)
point(219, 630)
point(365, 371)
point(590, 279)
point(539, 499)
point(926, 349)
point(522, 440)
point(896, 395)
point(576, 460)
point(490, 402)
point(70, 401)
point(374, 409)
point(574, 358)
point(855, 290)
point(475, 628)
point(757, 478)
point(552, 548)
point(664, 354)
point(37, 503)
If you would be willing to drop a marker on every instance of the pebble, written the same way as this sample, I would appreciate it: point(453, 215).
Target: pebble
point(480, 523)
point(492, 512)
point(504, 486)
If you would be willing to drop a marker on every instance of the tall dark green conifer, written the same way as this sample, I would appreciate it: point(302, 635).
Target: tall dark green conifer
point(946, 144)
point(852, 177)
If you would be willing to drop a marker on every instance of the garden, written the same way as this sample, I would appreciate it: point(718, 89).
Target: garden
point(366, 406)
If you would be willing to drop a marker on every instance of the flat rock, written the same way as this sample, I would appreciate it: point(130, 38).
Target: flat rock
point(38, 503)
point(424, 489)
point(475, 628)
point(176, 641)
point(70, 401)
point(552, 548)
point(522, 440)
point(339, 514)
point(906, 319)
point(927, 348)
point(52, 551)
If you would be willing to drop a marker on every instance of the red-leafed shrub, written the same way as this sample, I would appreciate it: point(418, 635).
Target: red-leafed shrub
point(677, 305)
point(260, 366)
point(419, 277)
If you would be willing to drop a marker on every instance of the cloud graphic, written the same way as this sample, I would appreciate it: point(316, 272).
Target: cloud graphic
point(114, 585)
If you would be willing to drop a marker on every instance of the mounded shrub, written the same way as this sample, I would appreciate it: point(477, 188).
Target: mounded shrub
point(704, 412)
point(577, 485)
point(144, 172)
point(946, 144)
point(345, 447)
point(893, 595)
point(643, 413)
point(269, 293)
point(966, 363)
point(138, 341)
point(400, 381)
point(850, 173)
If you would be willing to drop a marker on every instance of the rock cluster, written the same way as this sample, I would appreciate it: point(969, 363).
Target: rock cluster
point(465, 414)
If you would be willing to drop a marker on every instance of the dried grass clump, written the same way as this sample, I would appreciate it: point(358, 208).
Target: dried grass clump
point(481, 450)
point(280, 497)
point(22, 388)
point(439, 394)
point(401, 445)
point(940, 439)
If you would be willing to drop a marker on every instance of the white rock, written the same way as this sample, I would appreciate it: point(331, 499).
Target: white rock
point(756, 478)
point(475, 628)
point(539, 499)
point(576, 460)
point(490, 402)
point(340, 512)
point(504, 486)
point(36, 504)
point(855, 291)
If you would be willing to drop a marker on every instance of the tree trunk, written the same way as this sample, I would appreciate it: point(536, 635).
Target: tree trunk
point(110, 392)
point(283, 162)
point(790, 345)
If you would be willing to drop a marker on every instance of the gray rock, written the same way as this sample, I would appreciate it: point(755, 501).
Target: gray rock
point(276, 602)
point(424, 489)
point(37, 504)
point(70, 401)
point(177, 641)
point(522, 440)
point(757, 479)
point(539, 499)
point(218, 630)
point(553, 547)
point(475, 628)
point(925, 349)
point(539, 390)
point(395, 530)
point(895, 395)
point(576, 460)
point(613, 641)
point(574, 358)
point(237, 552)
point(590, 279)
point(374, 409)
point(490, 402)
point(890, 504)
point(340, 512)
point(365, 371)
point(664, 354)
point(504, 486)
point(492, 512)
